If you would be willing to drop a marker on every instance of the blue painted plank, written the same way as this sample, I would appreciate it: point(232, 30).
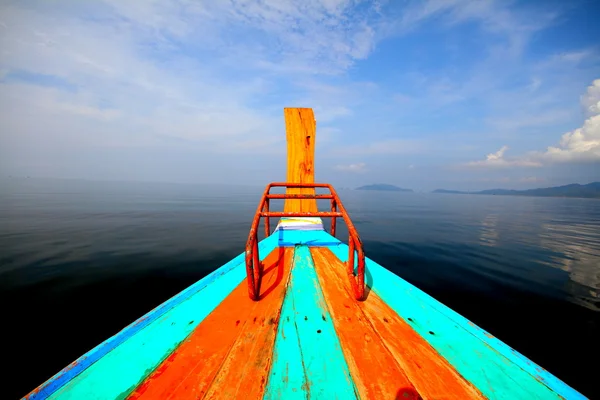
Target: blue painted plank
point(306, 334)
point(235, 267)
point(498, 371)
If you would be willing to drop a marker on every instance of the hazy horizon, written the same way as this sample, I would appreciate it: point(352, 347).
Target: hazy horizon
point(246, 185)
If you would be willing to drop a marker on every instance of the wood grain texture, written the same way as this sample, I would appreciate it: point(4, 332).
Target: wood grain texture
point(301, 127)
point(245, 371)
point(308, 361)
point(229, 353)
point(220, 278)
point(376, 373)
point(388, 359)
point(398, 288)
point(478, 361)
point(120, 371)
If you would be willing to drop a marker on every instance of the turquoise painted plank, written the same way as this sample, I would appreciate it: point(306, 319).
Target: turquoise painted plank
point(291, 238)
point(287, 379)
point(496, 370)
point(120, 371)
point(306, 334)
point(83, 362)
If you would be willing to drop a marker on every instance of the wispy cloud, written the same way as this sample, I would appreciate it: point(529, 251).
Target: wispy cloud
point(545, 118)
point(501, 179)
point(390, 146)
point(495, 17)
point(358, 167)
point(314, 36)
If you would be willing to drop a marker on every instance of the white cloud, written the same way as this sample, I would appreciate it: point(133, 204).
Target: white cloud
point(497, 160)
point(581, 144)
point(499, 155)
point(358, 167)
point(591, 99)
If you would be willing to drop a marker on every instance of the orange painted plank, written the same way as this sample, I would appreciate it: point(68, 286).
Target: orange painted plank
point(376, 373)
point(431, 375)
point(245, 371)
point(301, 128)
point(190, 370)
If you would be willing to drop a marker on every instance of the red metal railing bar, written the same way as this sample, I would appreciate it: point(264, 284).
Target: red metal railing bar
point(324, 214)
point(299, 196)
point(252, 259)
point(334, 219)
point(358, 287)
point(300, 185)
point(267, 219)
point(253, 266)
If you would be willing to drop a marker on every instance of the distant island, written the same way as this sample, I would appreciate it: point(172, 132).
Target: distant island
point(384, 187)
point(591, 190)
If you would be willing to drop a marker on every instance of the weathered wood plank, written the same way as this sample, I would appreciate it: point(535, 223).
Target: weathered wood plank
point(245, 371)
point(306, 334)
point(201, 363)
point(121, 370)
point(301, 128)
point(375, 372)
point(83, 362)
point(510, 354)
point(483, 365)
point(432, 376)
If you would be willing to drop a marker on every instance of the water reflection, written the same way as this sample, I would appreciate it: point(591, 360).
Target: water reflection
point(578, 251)
point(489, 233)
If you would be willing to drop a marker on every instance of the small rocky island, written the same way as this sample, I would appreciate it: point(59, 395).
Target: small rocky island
point(383, 187)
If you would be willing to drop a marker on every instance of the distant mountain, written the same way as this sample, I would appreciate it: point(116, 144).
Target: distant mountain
point(591, 190)
point(384, 187)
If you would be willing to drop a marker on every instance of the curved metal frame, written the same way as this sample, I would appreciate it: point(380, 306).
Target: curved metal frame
point(253, 265)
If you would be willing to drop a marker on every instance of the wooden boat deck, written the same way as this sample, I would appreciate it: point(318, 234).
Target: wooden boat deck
point(243, 345)
point(305, 338)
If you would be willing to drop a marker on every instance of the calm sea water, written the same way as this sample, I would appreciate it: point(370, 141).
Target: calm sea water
point(81, 260)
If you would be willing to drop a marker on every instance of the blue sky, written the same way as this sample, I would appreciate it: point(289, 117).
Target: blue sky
point(422, 94)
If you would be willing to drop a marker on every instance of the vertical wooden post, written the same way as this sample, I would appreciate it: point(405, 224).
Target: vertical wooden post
point(301, 127)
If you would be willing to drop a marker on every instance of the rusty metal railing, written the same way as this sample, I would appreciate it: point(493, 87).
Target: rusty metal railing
point(253, 265)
